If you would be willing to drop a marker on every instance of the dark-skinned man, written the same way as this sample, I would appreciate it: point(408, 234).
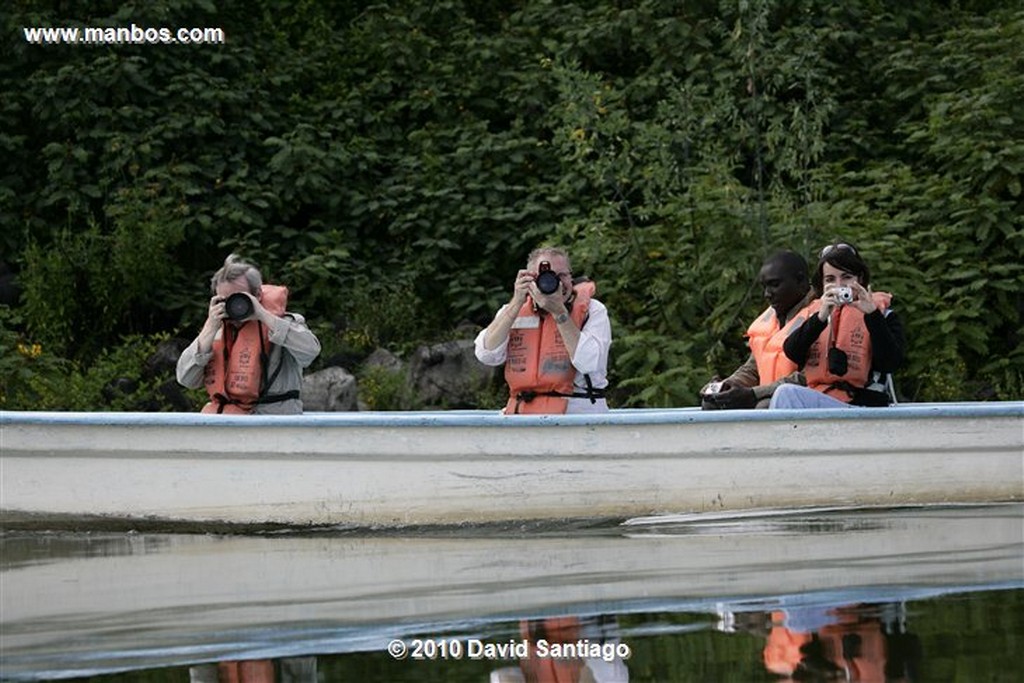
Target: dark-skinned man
point(788, 291)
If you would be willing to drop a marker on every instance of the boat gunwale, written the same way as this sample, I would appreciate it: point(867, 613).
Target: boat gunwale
point(486, 418)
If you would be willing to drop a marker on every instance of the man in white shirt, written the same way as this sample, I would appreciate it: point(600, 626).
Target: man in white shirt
point(553, 338)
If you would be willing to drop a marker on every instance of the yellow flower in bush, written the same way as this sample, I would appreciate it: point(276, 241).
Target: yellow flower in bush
point(33, 351)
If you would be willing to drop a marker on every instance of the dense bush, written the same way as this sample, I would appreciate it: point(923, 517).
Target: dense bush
point(394, 163)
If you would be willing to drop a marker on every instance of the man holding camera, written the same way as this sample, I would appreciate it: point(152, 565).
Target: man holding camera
point(787, 288)
point(251, 352)
point(553, 339)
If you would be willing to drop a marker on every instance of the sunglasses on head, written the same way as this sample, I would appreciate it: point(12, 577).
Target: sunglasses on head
point(829, 248)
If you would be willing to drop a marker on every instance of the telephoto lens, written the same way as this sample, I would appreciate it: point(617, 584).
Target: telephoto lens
point(547, 282)
point(238, 306)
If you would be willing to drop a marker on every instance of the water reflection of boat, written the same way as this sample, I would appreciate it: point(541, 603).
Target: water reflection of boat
point(282, 670)
point(867, 642)
point(104, 602)
point(567, 649)
point(178, 471)
point(860, 642)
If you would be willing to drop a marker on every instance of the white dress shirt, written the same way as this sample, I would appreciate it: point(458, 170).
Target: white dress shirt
point(591, 357)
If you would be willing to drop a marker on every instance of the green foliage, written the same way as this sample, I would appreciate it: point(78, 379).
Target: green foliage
point(689, 200)
point(394, 163)
point(115, 380)
point(34, 378)
point(953, 209)
point(27, 369)
point(660, 372)
point(374, 314)
point(381, 388)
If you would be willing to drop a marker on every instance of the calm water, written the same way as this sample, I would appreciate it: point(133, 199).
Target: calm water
point(905, 595)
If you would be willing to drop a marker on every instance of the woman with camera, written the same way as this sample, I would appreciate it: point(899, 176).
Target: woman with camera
point(553, 339)
point(251, 351)
point(851, 341)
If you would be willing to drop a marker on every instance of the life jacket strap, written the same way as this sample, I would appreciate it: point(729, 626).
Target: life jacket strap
point(223, 400)
point(865, 396)
point(278, 398)
point(593, 393)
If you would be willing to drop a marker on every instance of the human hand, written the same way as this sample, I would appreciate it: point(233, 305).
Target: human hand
point(215, 313)
point(862, 298)
point(708, 392)
point(553, 303)
point(733, 398)
point(215, 316)
point(830, 299)
point(521, 288)
point(258, 312)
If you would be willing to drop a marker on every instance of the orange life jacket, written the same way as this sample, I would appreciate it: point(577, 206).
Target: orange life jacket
point(782, 653)
point(551, 669)
point(248, 671)
point(766, 340)
point(846, 331)
point(234, 377)
point(539, 370)
point(862, 658)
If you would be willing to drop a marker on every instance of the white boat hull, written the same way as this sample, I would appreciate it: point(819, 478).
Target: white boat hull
point(399, 469)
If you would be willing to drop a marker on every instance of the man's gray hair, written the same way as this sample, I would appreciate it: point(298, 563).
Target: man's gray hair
point(234, 267)
point(536, 255)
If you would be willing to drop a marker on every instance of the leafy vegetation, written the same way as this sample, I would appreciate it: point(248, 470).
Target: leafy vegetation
point(394, 163)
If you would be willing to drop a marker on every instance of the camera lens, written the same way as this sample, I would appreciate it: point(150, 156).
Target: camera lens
point(547, 282)
point(238, 306)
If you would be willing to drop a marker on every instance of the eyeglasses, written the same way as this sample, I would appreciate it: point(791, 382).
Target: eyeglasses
point(829, 248)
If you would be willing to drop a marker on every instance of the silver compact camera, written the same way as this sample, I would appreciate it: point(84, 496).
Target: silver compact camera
point(711, 388)
point(844, 295)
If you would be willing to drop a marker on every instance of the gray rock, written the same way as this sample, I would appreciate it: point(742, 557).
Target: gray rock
point(332, 389)
point(382, 358)
point(448, 375)
point(165, 359)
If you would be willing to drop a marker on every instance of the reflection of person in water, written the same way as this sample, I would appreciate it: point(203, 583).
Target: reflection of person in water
point(544, 635)
point(285, 670)
point(865, 643)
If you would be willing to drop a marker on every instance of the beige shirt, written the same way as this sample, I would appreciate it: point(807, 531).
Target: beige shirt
point(293, 346)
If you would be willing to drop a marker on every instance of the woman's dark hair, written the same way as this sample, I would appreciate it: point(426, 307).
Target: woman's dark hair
point(844, 256)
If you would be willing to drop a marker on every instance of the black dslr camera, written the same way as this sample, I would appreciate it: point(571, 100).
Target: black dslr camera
point(238, 307)
point(547, 279)
point(838, 362)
